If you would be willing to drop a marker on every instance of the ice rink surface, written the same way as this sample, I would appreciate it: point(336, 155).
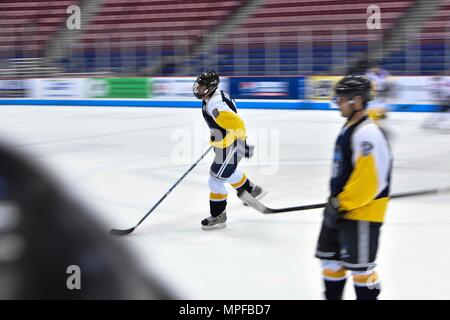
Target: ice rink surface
point(122, 160)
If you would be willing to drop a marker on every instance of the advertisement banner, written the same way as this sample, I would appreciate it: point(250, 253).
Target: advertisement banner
point(264, 88)
point(13, 88)
point(58, 88)
point(415, 90)
point(321, 87)
point(404, 90)
point(179, 88)
point(119, 88)
point(302, 86)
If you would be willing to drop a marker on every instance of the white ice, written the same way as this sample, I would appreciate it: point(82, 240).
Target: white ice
point(122, 160)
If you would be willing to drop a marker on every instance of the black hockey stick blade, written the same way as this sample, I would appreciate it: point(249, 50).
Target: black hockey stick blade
point(117, 232)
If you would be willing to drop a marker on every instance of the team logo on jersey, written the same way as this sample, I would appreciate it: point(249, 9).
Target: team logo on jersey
point(366, 148)
point(215, 113)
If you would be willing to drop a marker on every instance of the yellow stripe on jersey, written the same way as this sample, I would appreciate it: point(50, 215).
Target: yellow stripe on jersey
point(375, 211)
point(231, 121)
point(225, 142)
point(362, 186)
point(234, 125)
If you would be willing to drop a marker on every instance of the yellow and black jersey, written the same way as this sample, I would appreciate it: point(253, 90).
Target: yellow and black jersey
point(361, 171)
point(220, 114)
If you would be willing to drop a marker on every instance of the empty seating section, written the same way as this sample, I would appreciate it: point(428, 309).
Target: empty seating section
point(321, 19)
point(26, 27)
point(429, 49)
point(438, 27)
point(279, 38)
point(136, 33)
point(157, 20)
point(308, 35)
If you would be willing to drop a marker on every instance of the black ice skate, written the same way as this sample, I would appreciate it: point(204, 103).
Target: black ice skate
point(211, 222)
point(257, 193)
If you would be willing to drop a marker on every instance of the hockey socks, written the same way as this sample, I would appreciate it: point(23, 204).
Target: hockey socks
point(334, 283)
point(217, 203)
point(367, 286)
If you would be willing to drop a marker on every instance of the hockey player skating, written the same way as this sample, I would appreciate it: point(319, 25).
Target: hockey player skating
point(228, 136)
point(383, 89)
point(377, 109)
point(354, 214)
point(440, 91)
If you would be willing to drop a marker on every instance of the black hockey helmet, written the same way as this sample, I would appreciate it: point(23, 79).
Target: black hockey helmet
point(209, 79)
point(354, 85)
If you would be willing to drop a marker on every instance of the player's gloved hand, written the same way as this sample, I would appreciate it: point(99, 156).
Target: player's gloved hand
point(249, 150)
point(245, 150)
point(331, 214)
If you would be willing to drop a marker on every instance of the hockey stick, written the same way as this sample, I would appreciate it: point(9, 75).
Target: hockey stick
point(258, 206)
point(117, 232)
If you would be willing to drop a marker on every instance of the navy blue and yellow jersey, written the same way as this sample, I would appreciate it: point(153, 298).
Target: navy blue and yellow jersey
point(361, 171)
point(221, 116)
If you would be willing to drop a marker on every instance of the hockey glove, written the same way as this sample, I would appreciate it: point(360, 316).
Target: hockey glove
point(246, 150)
point(249, 150)
point(331, 214)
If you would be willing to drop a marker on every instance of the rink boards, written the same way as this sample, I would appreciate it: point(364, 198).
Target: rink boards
point(411, 94)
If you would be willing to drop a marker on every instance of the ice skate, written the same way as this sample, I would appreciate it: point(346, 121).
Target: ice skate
point(212, 223)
